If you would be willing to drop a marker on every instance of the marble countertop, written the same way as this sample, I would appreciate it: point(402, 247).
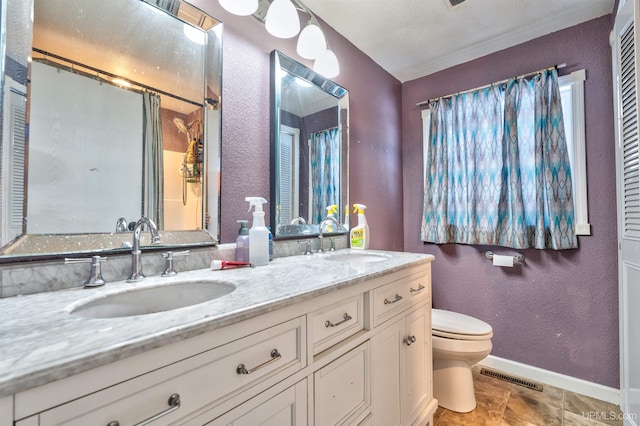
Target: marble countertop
point(40, 341)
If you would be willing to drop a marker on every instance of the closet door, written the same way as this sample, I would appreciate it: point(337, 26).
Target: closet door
point(625, 66)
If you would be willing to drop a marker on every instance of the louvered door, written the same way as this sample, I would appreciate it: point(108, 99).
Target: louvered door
point(13, 161)
point(626, 68)
point(289, 172)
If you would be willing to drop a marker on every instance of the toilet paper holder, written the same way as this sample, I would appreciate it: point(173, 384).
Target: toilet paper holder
point(518, 257)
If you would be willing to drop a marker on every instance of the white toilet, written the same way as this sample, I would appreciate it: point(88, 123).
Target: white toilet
point(459, 341)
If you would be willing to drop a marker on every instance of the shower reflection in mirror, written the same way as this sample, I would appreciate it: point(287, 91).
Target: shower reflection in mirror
point(70, 149)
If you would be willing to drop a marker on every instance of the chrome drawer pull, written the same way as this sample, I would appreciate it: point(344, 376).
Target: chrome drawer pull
point(409, 340)
point(275, 355)
point(397, 299)
point(174, 404)
point(417, 290)
point(346, 317)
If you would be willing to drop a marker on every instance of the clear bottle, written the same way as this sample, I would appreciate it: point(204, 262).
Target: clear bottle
point(258, 234)
point(242, 242)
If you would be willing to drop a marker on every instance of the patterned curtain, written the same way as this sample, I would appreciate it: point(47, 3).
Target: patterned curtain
point(324, 158)
point(497, 168)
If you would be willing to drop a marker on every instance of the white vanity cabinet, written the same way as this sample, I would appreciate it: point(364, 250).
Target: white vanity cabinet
point(357, 355)
point(401, 353)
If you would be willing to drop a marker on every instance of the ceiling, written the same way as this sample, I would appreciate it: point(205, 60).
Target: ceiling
point(101, 35)
point(414, 38)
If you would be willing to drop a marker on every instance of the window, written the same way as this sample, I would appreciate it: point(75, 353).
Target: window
point(572, 92)
point(572, 98)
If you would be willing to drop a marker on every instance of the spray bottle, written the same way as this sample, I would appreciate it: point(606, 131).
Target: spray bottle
point(346, 218)
point(360, 233)
point(258, 234)
point(332, 211)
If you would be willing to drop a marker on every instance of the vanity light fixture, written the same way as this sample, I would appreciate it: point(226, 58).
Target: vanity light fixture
point(327, 64)
point(194, 34)
point(281, 20)
point(121, 82)
point(311, 42)
point(240, 7)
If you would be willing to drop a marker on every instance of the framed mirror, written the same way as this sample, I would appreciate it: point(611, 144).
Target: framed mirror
point(309, 150)
point(113, 113)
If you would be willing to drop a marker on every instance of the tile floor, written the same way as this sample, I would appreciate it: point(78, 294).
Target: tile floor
point(500, 403)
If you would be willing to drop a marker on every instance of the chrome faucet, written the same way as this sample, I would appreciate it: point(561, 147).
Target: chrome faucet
point(136, 253)
point(121, 225)
point(298, 221)
point(321, 234)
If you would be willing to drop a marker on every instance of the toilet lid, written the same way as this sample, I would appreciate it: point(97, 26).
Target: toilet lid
point(449, 323)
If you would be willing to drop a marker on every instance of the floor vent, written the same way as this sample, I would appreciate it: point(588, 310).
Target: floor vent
point(511, 379)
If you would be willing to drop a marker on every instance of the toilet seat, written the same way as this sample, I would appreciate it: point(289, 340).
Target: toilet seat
point(453, 325)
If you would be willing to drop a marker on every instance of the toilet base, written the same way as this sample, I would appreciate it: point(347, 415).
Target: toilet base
point(453, 385)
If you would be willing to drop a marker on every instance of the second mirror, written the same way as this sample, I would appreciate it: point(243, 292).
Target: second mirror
point(309, 150)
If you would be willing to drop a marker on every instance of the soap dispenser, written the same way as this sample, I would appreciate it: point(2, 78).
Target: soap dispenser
point(258, 234)
point(242, 242)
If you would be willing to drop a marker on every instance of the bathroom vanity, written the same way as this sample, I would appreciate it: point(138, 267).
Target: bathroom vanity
point(338, 338)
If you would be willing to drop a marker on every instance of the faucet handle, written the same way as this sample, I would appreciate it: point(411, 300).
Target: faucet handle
point(95, 279)
point(333, 244)
point(308, 250)
point(169, 269)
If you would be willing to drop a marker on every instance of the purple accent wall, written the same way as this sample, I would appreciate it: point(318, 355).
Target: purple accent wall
point(559, 310)
point(375, 127)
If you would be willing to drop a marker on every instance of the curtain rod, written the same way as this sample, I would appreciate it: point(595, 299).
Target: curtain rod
point(108, 74)
point(492, 84)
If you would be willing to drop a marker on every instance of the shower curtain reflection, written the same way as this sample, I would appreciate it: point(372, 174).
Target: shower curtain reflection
point(153, 172)
point(324, 159)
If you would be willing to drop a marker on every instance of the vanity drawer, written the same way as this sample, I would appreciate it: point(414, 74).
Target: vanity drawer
point(395, 297)
point(336, 322)
point(258, 360)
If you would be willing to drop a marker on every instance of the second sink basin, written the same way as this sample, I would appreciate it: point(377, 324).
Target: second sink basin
point(148, 300)
point(359, 257)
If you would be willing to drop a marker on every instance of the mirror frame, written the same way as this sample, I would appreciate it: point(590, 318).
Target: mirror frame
point(280, 62)
point(57, 246)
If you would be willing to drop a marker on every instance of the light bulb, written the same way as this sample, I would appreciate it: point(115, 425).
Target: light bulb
point(327, 64)
point(240, 7)
point(311, 42)
point(282, 19)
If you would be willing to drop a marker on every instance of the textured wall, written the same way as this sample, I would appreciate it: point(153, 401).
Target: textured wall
point(559, 311)
point(375, 133)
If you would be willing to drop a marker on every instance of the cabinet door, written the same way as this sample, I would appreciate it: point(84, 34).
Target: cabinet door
point(288, 408)
point(416, 368)
point(6, 411)
point(385, 378)
point(341, 388)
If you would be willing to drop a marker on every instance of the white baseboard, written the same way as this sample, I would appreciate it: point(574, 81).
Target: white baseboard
point(594, 390)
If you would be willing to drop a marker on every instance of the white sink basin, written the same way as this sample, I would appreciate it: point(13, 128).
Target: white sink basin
point(357, 257)
point(149, 300)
